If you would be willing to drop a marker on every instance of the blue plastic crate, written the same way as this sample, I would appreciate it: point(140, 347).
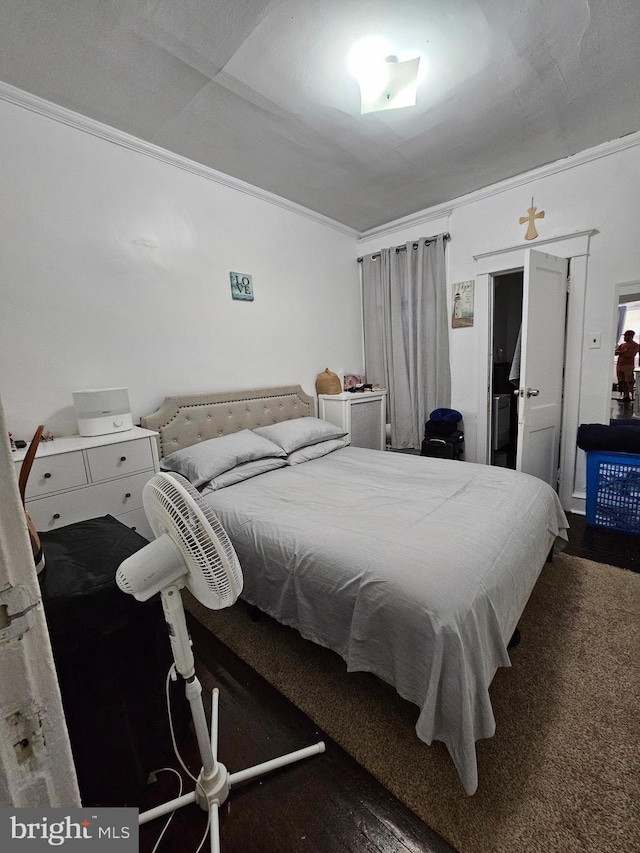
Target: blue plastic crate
point(613, 491)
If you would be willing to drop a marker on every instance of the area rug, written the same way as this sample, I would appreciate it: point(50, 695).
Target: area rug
point(561, 773)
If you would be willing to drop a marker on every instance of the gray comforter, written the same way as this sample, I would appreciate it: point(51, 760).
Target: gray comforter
point(411, 568)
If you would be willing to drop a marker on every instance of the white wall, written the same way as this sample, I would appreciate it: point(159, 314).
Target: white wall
point(599, 193)
point(114, 270)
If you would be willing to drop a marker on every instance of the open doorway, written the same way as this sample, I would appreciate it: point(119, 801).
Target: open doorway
point(628, 319)
point(553, 318)
point(506, 325)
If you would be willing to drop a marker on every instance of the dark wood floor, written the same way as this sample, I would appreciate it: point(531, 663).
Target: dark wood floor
point(603, 546)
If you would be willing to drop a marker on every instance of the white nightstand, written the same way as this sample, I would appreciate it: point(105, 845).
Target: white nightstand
point(362, 414)
point(74, 478)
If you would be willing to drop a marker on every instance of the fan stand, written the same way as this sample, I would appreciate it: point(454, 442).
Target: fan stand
point(214, 782)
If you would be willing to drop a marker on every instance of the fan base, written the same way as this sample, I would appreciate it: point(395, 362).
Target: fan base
point(214, 789)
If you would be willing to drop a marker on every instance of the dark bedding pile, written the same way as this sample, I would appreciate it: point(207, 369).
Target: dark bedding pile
point(619, 437)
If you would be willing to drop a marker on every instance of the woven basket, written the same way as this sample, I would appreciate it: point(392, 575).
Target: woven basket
point(328, 383)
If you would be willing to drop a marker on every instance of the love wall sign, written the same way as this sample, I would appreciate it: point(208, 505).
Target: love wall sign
point(241, 286)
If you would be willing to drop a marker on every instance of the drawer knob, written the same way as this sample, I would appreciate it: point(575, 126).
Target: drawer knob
point(56, 516)
point(47, 475)
point(123, 458)
point(128, 495)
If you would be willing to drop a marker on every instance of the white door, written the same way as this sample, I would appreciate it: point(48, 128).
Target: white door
point(544, 305)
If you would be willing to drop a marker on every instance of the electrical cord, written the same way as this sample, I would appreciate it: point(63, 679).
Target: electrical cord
point(166, 826)
point(172, 676)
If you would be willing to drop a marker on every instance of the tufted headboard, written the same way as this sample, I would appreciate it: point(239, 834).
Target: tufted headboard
point(185, 420)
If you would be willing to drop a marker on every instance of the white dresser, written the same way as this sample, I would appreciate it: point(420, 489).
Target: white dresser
point(74, 478)
point(363, 415)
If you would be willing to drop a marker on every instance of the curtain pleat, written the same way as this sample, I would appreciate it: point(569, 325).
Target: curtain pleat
point(406, 334)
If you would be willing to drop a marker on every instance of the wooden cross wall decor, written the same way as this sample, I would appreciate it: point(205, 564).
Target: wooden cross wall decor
point(532, 233)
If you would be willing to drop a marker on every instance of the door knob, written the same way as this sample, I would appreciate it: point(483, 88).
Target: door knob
point(532, 392)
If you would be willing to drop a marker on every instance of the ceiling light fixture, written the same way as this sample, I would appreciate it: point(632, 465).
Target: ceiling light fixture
point(385, 83)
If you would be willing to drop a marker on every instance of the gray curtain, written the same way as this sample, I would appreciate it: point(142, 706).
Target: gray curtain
point(406, 337)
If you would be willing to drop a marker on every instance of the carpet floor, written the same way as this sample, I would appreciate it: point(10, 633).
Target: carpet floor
point(561, 773)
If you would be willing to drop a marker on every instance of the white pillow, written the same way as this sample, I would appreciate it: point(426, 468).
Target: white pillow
point(201, 462)
point(315, 451)
point(300, 432)
point(244, 472)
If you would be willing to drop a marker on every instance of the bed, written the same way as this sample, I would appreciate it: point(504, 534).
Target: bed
point(412, 568)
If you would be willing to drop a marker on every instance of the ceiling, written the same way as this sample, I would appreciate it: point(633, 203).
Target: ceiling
point(260, 90)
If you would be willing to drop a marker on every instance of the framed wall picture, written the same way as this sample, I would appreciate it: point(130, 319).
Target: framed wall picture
point(462, 309)
point(241, 286)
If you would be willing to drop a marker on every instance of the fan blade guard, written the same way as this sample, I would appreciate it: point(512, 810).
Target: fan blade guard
point(176, 509)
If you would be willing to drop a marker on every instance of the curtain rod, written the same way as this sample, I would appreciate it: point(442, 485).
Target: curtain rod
point(446, 236)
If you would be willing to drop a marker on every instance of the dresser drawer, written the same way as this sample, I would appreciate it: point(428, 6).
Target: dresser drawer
point(137, 520)
point(55, 473)
point(114, 460)
point(112, 498)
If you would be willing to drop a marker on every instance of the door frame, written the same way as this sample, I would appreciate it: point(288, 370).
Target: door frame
point(621, 289)
point(30, 704)
point(574, 247)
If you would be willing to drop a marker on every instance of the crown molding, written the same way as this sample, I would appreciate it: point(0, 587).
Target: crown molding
point(440, 211)
point(38, 105)
point(631, 140)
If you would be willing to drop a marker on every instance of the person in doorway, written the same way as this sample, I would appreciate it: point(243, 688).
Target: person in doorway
point(626, 352)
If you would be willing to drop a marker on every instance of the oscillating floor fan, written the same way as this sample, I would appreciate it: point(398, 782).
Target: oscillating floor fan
point(192, 549)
